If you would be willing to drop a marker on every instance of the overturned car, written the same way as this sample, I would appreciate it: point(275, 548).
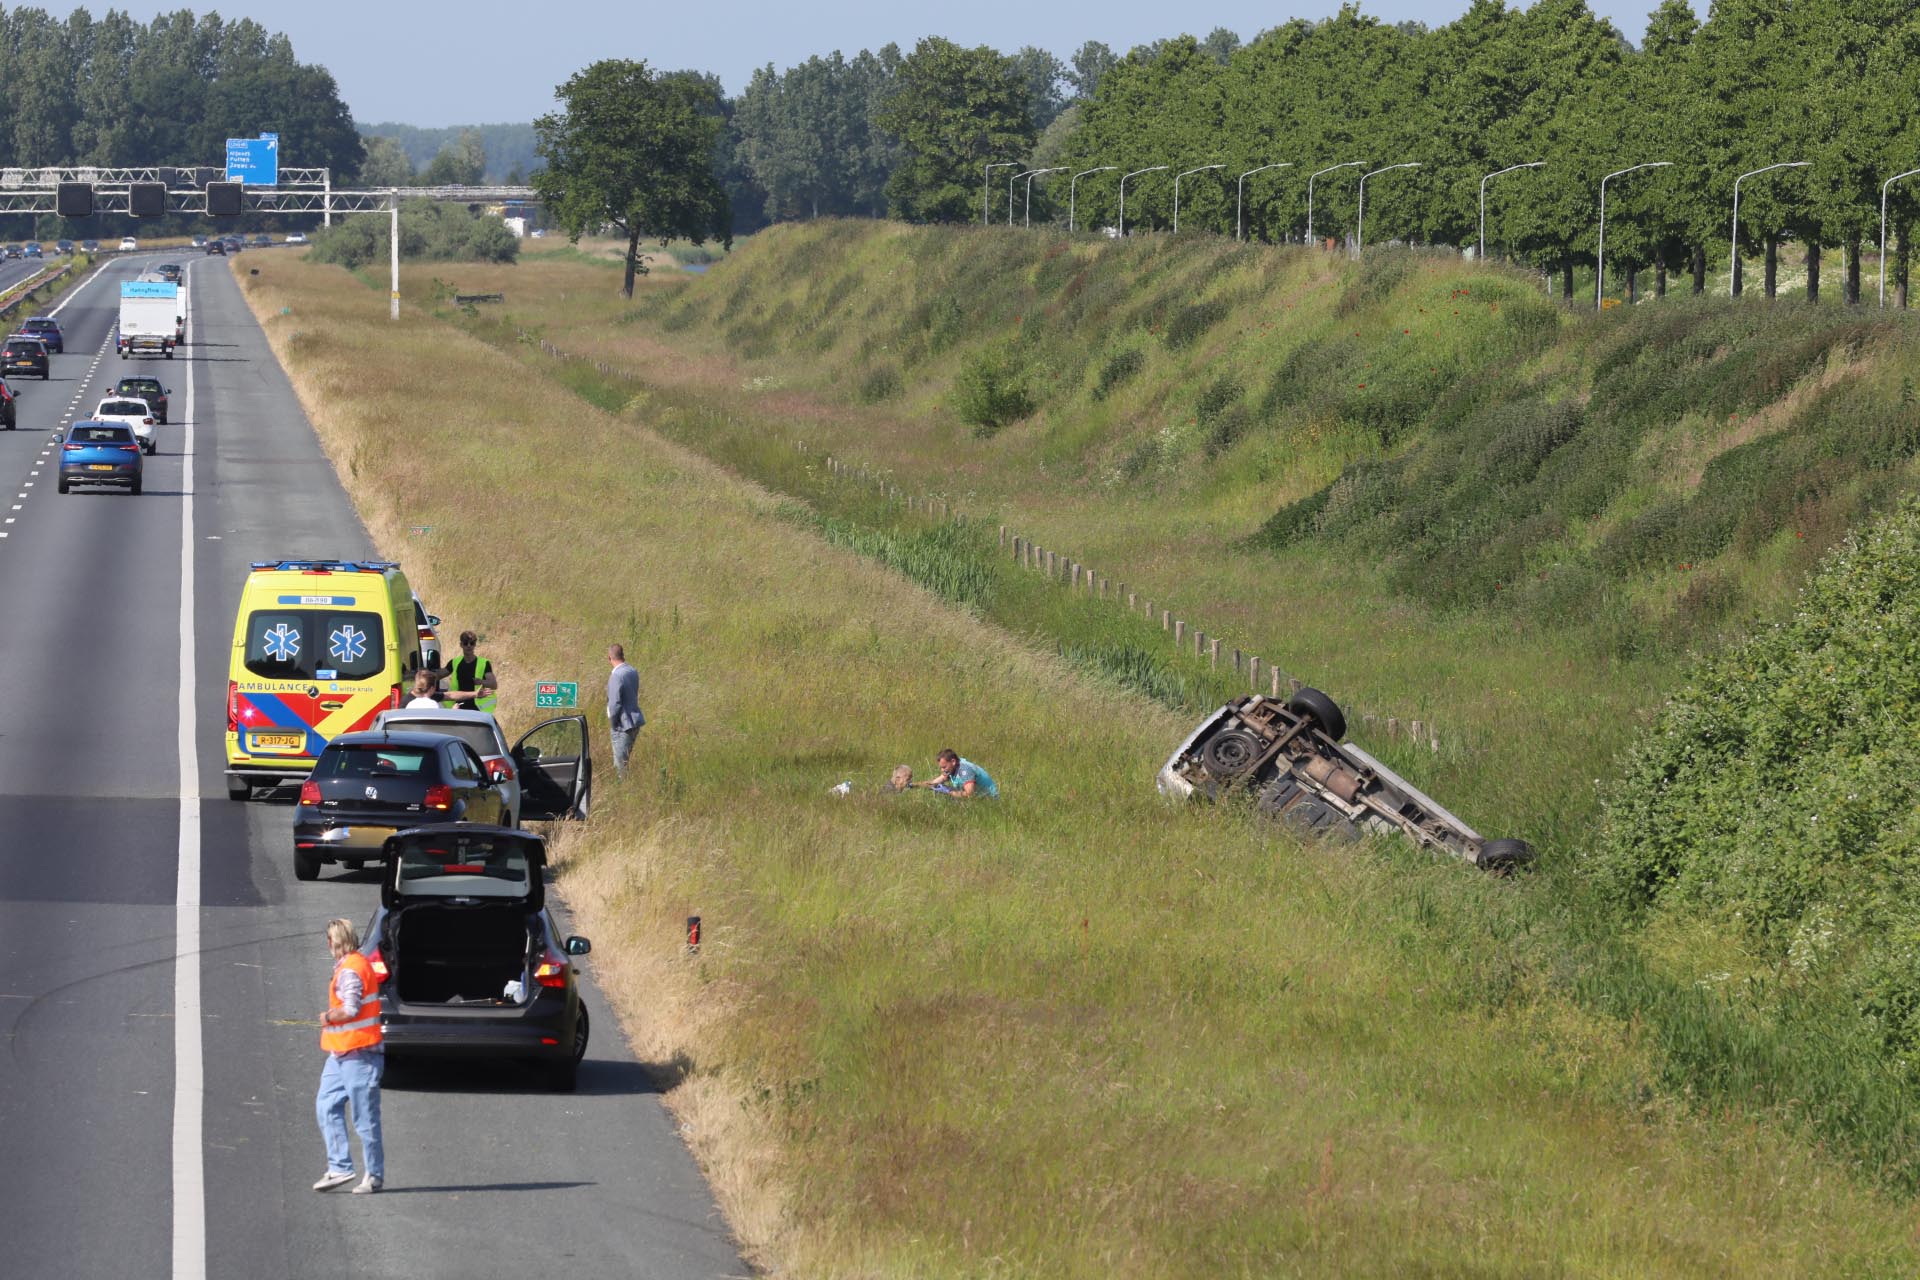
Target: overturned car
point(1290, 757)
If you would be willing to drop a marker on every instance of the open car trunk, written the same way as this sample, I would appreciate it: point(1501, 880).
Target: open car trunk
point(462, 954)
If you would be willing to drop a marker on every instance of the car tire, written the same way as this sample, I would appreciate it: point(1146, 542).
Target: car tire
point(1322, 710)
point(60, 486)
point(1503, 857)
point(238, 788)
point(563, 1077)
point(1231, 754)
point(306, 866)
point(134, 488)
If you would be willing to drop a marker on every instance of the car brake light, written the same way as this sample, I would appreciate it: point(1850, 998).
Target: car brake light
point(233, 706)
point(146, 422)
point(393, 699)
point(309, 792)
point(499, 771)
point(378, 965)
point(73, 448)
point(439, 796)
point(552, 971)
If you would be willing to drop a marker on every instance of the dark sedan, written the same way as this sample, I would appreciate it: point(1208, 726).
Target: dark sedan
point(470, 960)
point(216, 249)
point(90, 246)
point(47, 329)
point(148, 389)
point(22, 357)
point(100, 453)
point(366, 786)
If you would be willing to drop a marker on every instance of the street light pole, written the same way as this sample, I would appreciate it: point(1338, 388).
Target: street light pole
point(1073, 185)
point(1026, 211)
point(1346, 165)
point(1123, 192)
point(1010, 181)
point(393, 248)
point(1600, 253)
point(1733, 253)
point(1883, 231)
point(986, 185)
point(1480, 250)
point(1239, 191)
point(1176, 190)
point(1360, 221)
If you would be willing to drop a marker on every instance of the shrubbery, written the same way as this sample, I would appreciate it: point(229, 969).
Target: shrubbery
point(991, 389)
point(429, 232)
point(1780, 789)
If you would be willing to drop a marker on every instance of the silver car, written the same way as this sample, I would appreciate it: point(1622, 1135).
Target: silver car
point(547, 774)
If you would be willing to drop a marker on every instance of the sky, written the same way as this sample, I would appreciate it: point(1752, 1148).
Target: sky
point(444, 62)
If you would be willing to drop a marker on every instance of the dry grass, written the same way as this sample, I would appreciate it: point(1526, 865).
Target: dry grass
point(1074, 1033)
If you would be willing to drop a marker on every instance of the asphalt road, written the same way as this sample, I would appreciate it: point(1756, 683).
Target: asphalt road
point(121, 1166)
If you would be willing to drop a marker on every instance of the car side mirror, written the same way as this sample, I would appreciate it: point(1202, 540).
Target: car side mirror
point(578, 946)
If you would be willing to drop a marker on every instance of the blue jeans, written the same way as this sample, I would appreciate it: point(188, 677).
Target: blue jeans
point(352, 1077)
point(622, 748)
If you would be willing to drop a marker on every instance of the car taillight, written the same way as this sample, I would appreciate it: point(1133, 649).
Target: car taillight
point(146, 422)
point(393, 698)
point(128, 448)
point(378, 965)
point(233, 706)
point(439, 796)
point(73, 448)
point(552, 971)
point(499, 771)
point(309, 792)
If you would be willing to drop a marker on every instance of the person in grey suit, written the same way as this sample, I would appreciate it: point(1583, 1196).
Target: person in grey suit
point(623, 706)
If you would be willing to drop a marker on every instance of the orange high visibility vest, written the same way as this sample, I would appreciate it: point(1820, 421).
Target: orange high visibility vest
point(364, 1031)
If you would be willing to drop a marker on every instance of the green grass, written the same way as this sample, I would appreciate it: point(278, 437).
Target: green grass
point(1075, 1033)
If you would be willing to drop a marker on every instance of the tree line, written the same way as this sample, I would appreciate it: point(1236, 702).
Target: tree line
point(1831, 82)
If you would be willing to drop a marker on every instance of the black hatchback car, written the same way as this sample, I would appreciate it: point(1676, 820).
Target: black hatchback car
point(470, 961)
point(216, 249)
point(21, 356)
point(366, 786)
point(148, 389)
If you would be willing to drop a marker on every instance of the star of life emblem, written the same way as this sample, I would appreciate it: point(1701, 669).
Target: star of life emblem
point(347, 645)
point(282, 643)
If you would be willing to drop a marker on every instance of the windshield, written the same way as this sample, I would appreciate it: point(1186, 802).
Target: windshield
point(315, 644)
point(138, 387)
point(373, 760)
point(463, 864)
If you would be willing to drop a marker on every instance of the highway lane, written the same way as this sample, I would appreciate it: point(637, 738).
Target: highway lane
point(487, 1174)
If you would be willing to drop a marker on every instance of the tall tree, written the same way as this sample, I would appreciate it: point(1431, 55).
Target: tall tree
point(636, 152)
point(953, 109)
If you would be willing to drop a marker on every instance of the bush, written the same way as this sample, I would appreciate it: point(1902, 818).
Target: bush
point(1190, 323)
point(991, 390)
point(881, 383)
point(1120, 366)
point(1221, 417)
point(429, 232)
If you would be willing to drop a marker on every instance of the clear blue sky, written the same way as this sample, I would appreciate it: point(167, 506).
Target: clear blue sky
point(440, 62)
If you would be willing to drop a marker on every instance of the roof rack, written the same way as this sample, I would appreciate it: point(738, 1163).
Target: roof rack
point(339, 566)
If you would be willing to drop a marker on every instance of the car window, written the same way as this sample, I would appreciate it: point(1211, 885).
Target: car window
point(478, 736)
point(100, 435)
point(464, 865)
point(122, 408)
point(371, 760)
point(466, 766)
point(315, 644)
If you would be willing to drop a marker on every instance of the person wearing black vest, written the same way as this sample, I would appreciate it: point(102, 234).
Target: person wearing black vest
point(468, 683)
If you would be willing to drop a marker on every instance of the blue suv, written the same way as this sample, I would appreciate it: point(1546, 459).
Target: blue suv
point(100, 453)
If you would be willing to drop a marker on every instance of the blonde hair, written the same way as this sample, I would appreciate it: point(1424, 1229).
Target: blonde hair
point(902, 777)
point(342, 936)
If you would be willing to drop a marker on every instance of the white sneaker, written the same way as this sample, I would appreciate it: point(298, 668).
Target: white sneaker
point(369, 1186)
point(333, 1180)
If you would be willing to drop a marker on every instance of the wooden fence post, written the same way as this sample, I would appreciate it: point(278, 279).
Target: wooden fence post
point(1276, 682)
point(1166, 619)
point(1213, 653)
point(1179, 633)
point(1293, 684)
point(1253, 674)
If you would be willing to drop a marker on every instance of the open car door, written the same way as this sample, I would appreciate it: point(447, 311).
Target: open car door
point(556, 773)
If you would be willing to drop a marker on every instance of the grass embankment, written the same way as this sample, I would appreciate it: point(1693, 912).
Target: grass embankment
point(1073, 1033)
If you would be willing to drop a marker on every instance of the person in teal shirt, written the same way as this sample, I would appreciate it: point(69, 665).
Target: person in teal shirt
point(963, 778)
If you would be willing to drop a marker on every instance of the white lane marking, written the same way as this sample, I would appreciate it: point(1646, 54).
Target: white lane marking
point(189, 1080)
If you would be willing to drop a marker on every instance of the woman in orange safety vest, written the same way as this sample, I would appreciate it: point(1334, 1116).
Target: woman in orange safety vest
point(356, 1059)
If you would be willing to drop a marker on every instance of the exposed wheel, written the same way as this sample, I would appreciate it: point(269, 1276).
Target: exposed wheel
point(1322, 710)
point(1502, 856)
point(238, 788)
point(134, 488)
point(1230, 754)
point(61, 486)
point(306, 866)
point(562, 1077)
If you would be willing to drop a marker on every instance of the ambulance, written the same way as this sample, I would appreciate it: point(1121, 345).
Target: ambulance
point(320, 647)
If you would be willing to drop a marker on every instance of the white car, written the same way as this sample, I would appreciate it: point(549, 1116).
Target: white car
point(296, 237)
point(130, 412)
point(128, 244)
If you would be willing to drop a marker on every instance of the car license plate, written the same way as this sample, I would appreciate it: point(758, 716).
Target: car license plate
point(277, 741)
point(99, 466)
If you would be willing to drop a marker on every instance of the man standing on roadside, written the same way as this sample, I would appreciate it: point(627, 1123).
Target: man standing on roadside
point(468, 683)
point(623, 706)
point(356, 1059)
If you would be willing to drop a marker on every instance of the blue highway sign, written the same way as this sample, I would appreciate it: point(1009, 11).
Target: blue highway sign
point(254, 161)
